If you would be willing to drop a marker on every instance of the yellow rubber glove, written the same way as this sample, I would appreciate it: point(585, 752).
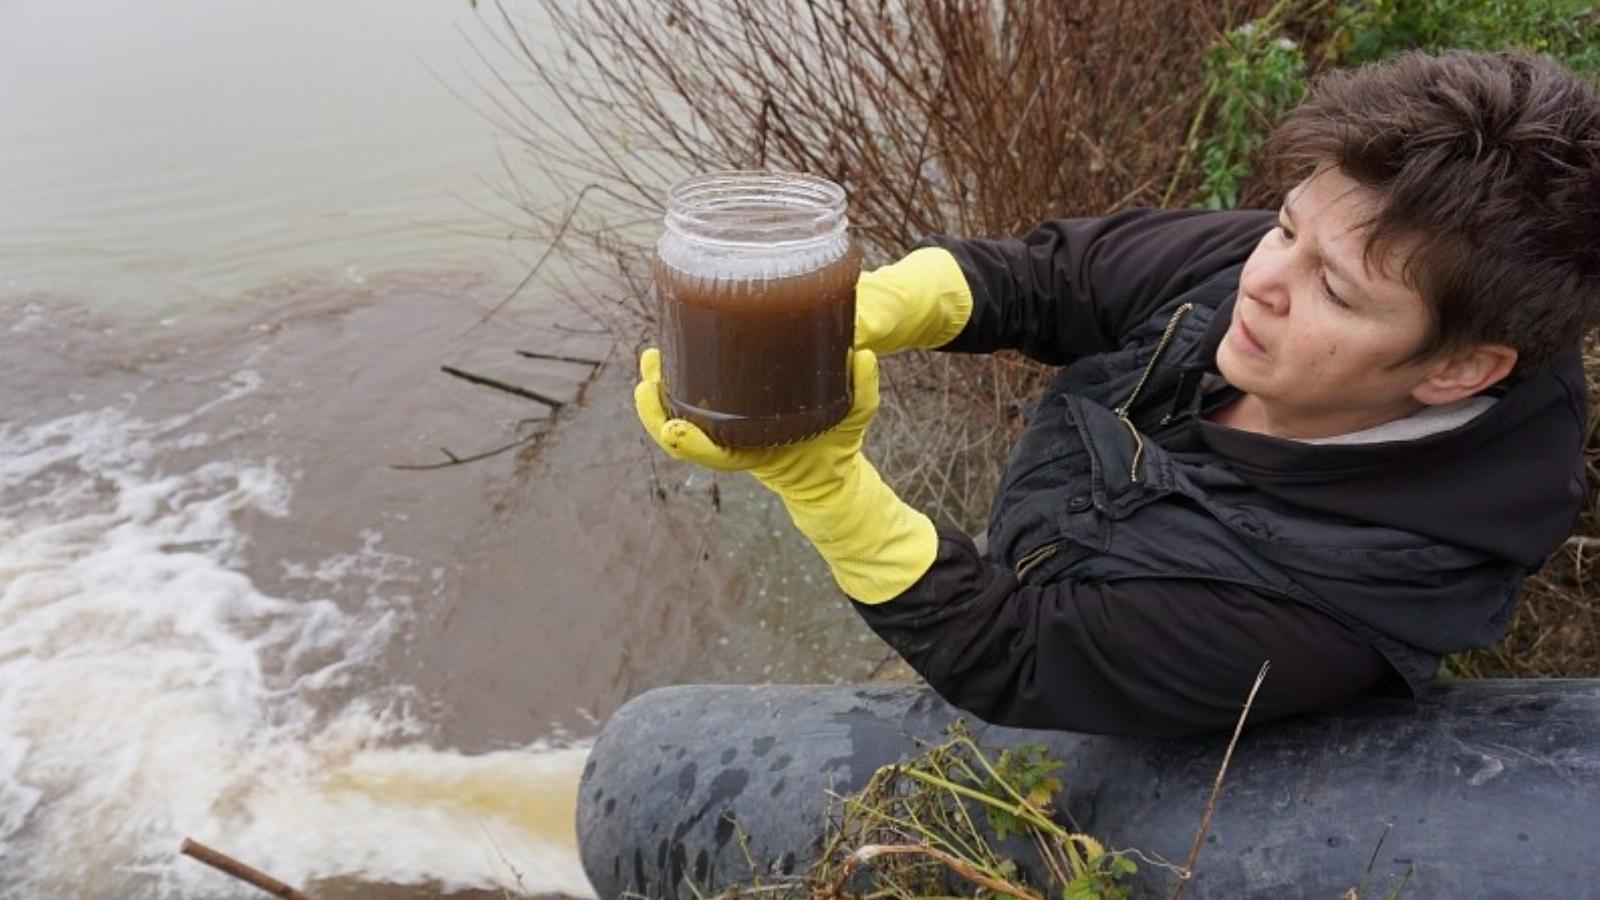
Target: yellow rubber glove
point(918, 303)
point(876, 545)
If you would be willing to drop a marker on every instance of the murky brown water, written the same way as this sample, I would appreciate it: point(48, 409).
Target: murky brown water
point(225, 298)
point(532, 592)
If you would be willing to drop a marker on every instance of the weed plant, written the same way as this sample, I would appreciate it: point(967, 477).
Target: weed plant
point(956, 820)
point(950, 822)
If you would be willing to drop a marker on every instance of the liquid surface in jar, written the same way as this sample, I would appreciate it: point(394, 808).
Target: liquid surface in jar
point(759, 362)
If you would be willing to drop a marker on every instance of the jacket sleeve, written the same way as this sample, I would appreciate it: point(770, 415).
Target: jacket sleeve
point(1153, 657)
point(1072, 287)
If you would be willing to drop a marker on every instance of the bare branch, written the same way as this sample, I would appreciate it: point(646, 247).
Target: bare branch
point(1216, 789)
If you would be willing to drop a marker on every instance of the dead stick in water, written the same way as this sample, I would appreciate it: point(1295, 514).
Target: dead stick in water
point(551, 402)
point(227, 864)
point(559, 358)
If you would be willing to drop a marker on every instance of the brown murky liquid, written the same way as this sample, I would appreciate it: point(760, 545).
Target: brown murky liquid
point(758, 363)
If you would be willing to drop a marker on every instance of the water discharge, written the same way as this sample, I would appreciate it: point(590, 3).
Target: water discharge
point(150, 690)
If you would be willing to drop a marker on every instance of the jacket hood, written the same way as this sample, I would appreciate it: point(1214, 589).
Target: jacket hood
point(1508, 483)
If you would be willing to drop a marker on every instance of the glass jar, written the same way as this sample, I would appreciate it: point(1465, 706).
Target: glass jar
point(756, 275)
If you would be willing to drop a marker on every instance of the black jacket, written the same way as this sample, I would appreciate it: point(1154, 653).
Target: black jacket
point(1146, 604)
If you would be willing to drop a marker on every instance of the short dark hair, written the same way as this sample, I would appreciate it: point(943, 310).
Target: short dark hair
point(1487, 169)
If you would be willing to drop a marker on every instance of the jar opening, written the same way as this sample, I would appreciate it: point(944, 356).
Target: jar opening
point(767, 209)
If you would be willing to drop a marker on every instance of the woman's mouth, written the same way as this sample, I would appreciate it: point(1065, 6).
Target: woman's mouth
point(1244, 339)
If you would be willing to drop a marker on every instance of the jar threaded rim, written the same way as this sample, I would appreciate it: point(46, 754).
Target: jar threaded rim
point(743, 208)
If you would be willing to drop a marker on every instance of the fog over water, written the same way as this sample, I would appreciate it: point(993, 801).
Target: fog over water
point(232, 262)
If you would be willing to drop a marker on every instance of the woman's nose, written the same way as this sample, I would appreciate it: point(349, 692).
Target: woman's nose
point(1266, 281)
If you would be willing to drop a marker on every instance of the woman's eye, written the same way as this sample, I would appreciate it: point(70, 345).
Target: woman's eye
point(1328, 290)
point(1284, 230)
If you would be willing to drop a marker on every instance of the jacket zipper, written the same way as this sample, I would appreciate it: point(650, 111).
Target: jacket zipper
point(1034, 557)
point(1122, 411)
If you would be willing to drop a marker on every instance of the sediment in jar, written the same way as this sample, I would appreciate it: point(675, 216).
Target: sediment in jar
point(758, 362)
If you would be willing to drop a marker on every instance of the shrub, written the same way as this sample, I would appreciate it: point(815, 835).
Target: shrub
point(1568, 30)
point(970, 117)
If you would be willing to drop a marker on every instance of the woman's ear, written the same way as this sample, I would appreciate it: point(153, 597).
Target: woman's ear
point(1464, 373)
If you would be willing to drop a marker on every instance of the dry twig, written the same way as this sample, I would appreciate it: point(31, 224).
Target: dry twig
point(953, 863)
point(1187, 872)
point(249, 875)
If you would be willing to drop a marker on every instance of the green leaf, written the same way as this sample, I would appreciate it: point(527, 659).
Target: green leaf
point(1081, 888)
point(1045, 790)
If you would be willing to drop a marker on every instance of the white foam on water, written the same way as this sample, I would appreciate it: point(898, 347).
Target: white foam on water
point(149, 691)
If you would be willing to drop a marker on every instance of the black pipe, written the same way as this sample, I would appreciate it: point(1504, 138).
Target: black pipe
point(1492, 789)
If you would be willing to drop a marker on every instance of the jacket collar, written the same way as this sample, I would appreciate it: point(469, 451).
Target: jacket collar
point(1509, 482)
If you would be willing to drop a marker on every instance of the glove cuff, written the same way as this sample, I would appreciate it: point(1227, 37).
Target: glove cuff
point(940, 274)
point(933, 304)
point(875, 543)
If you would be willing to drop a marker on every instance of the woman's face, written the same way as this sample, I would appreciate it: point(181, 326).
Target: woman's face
point(1316, 333)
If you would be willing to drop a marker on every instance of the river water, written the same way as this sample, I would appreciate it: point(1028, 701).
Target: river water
point(238, 240)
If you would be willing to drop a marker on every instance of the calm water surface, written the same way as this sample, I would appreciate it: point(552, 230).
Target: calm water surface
point(237, 241)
